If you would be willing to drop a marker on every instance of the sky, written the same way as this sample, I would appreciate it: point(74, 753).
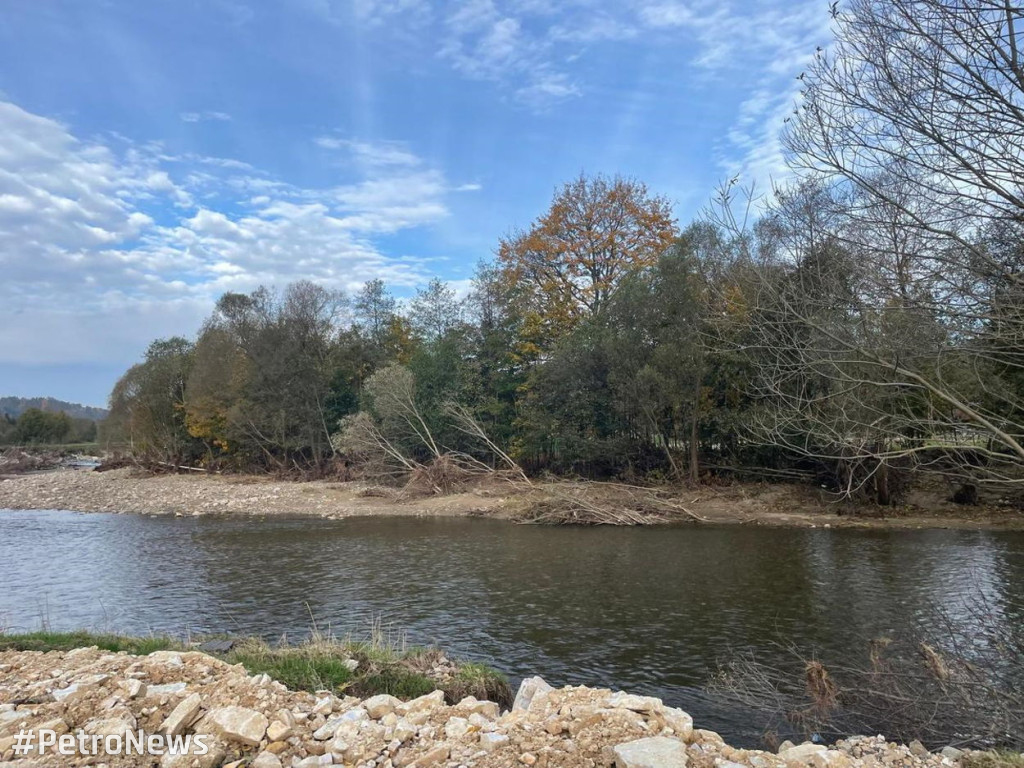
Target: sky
point(156, 154)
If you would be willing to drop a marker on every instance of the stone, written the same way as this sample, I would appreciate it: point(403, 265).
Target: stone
point(680, 722)
point(165, 689)
point(456, 727)
point(436, 755)
point(428, 703)
point(531, 688)
point(492, 741)
point(239, 724)
point(787, 744)
point(804, 753)
point(278, 731)
point(266, 760)
point(378, 706)
point(918, 749)
point(653, 752)
point(136, 689)
point(330, 728)
point(472, 706)
point(182, 715)
point(622, 700)
point(951, 753)
point(110, 726)
point(324, 706)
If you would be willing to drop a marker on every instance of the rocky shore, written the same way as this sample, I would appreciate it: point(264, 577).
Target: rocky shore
point(254, 721)
point(127, 490)
point(196, 493)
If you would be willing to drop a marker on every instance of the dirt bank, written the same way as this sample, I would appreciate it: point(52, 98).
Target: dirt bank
point(125, 490)
point(258, 722)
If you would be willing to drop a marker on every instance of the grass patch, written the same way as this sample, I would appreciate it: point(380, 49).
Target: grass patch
point(313, 666)
point(322, 663)
point(995, 759)
point(66, 641)
point(481, 681)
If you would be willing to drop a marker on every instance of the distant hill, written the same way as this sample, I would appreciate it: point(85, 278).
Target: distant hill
point(14, 406)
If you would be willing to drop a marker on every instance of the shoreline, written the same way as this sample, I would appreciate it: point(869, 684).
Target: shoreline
point(252, 719)
point(771, 505)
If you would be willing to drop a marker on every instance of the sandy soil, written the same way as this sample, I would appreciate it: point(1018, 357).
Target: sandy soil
point(125, 490)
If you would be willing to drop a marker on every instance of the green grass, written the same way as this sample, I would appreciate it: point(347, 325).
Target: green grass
point(66, 641)
point(385, 665)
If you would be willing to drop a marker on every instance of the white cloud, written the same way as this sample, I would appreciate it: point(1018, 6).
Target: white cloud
point(104, 247)
point(199, 117)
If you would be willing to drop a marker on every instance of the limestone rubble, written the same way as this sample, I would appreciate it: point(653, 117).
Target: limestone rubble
point(252, 720)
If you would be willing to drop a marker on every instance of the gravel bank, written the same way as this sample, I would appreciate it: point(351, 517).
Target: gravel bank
point(257, 722)
point(124, 490)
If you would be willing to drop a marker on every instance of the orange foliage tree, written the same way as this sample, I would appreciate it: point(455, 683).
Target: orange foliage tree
point(597, 231)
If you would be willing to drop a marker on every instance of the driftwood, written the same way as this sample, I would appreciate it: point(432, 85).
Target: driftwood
point(585, 503)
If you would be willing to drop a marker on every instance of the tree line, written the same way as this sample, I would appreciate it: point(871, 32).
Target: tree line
point(858, 326)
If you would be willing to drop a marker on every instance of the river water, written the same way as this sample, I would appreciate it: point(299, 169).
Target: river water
point(650, 611)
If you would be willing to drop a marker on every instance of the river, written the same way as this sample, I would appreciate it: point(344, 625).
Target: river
point(650, 611)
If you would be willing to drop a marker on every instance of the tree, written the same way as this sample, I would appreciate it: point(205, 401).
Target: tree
point(147, 405)
point(877, 311)
point(596, 232)
point(375, 310)
point(435, 311)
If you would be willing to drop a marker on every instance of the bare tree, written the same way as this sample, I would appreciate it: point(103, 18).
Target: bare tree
point(887, 316)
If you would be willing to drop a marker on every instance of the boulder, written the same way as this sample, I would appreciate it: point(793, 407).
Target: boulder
point(531, 688)
point(239, 724)
point(653, 752)
point(181, 716)
point(622, 700)
point(279, 731)
point(492, 741)
point(803, 753)
point(378, 706)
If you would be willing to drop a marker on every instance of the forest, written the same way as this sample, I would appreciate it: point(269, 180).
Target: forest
point(859, 326)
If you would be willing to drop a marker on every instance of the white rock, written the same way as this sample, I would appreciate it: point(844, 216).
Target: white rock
point(492, 741)
point(531, 688)
point(654, 752)
point(136, 689)
point(279, 731)
point(165, 689)
point(266, 760)
point(803, 752)
point(378, 706)
point(427, 703)
point(239, 724)
point(62, 693)
point(181, 716)
point(471, 705)
point(456, 727)
point(324, 706)
point(629, 701)
point(678, 721)
point(112, 726)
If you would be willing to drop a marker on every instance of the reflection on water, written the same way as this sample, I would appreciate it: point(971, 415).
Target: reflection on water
point(648, 610)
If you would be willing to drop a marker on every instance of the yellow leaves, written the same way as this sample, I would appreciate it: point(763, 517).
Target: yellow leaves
point(597, 231)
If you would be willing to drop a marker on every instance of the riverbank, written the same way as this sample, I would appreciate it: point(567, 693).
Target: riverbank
point(128, 490)
point(254, 720)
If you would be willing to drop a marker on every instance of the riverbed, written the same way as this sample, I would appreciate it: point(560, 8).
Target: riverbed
point(650, 611)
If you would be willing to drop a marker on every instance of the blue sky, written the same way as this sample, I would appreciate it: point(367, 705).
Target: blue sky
point(156, 154)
